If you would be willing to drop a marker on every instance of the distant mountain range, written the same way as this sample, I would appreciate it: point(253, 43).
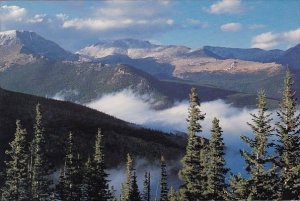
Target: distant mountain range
point(31, 64)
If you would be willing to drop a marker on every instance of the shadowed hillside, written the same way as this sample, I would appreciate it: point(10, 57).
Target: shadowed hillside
point(61, 117)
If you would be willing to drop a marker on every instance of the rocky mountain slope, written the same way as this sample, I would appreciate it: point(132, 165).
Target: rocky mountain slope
point(252, 54)
point(242, 70)
point(31, 64)
point(24, 46)
point(79, 82)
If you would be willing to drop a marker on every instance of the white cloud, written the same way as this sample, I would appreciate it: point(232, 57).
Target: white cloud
point(292, 36)
point(195, 23)
point(227, 6)
point(256, 26)
point(62, 16)
point(140, 112)
point(109, 24)
point(270, 40)
point(130, 107)
point(12, 13)
point(231, 27)
point(38, 18)
point(123, 15)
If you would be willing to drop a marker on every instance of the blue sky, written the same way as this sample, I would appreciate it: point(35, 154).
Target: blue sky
point(266, 24)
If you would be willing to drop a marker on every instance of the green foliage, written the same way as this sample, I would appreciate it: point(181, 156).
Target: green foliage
point(112, 196)
point(192, 173)
point(71, 181)
point(60, 117)
point(127, 185)
point(95, 182)
point(239, 188)
point(288, 132)
point(147, 187)
point(216, 170)
point(17, 183)
point(173, 195)
point(163, 181)
point(40, 170)
point(134, 194)
point(262, 181)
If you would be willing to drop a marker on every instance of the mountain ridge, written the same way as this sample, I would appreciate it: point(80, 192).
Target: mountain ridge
point(28, 42)
point(60, 117)
point(141, 68)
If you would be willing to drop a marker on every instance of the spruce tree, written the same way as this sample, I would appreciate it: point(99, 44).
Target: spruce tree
point(192, 172)
point(147, 188)
point(239, 188)
point(17, 184)
point(95, 175)
point(134, 194)
point(71, 183)
point(60, 188)
point(288, 131)
point(262, 178)
point(39, 180)
point(216, 186)
point(112, 196)
point(127, 186)
point(163, 181)
point(173, 196)
point(87, 188)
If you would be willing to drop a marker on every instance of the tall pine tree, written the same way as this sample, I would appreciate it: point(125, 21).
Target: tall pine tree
point(216, 186)
point(192, 172)
point(173, 195)
point(127, 185)
point(96, 183)
point(288, 131)
point(71, 182)
point(239, 188)
point(39, 180)
point(17, 183)
point(134, 194)
point(87, 188)
point(163, 181)
point(147, 188)
point(262, 178)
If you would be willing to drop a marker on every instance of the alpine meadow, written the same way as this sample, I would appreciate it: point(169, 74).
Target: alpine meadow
point(123, 100)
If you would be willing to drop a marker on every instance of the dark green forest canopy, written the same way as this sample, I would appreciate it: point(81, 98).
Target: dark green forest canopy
point(61, 117)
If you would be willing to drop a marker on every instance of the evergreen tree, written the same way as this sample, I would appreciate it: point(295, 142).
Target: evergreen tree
point(216, 186)
point(127, 186)
point(288, 131)
point(134, 194)
point(17, 185)
point(39, 180)
point(147, 189)
point(112, 196)
point(163, 181)
point(87, 181)
point(262, 179)
point(96, 187)
point(60, 189)
point(173, 196)
point(192, 172)
point(71, 184)
point(239, 188)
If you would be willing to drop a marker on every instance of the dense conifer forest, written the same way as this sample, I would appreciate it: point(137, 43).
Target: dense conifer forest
point(272, 162)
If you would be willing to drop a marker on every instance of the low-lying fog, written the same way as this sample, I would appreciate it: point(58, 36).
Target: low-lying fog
point(133, 108)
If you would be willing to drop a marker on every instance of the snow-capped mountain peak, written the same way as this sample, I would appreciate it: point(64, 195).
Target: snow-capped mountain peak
point(29, 42)
point(8, 37)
